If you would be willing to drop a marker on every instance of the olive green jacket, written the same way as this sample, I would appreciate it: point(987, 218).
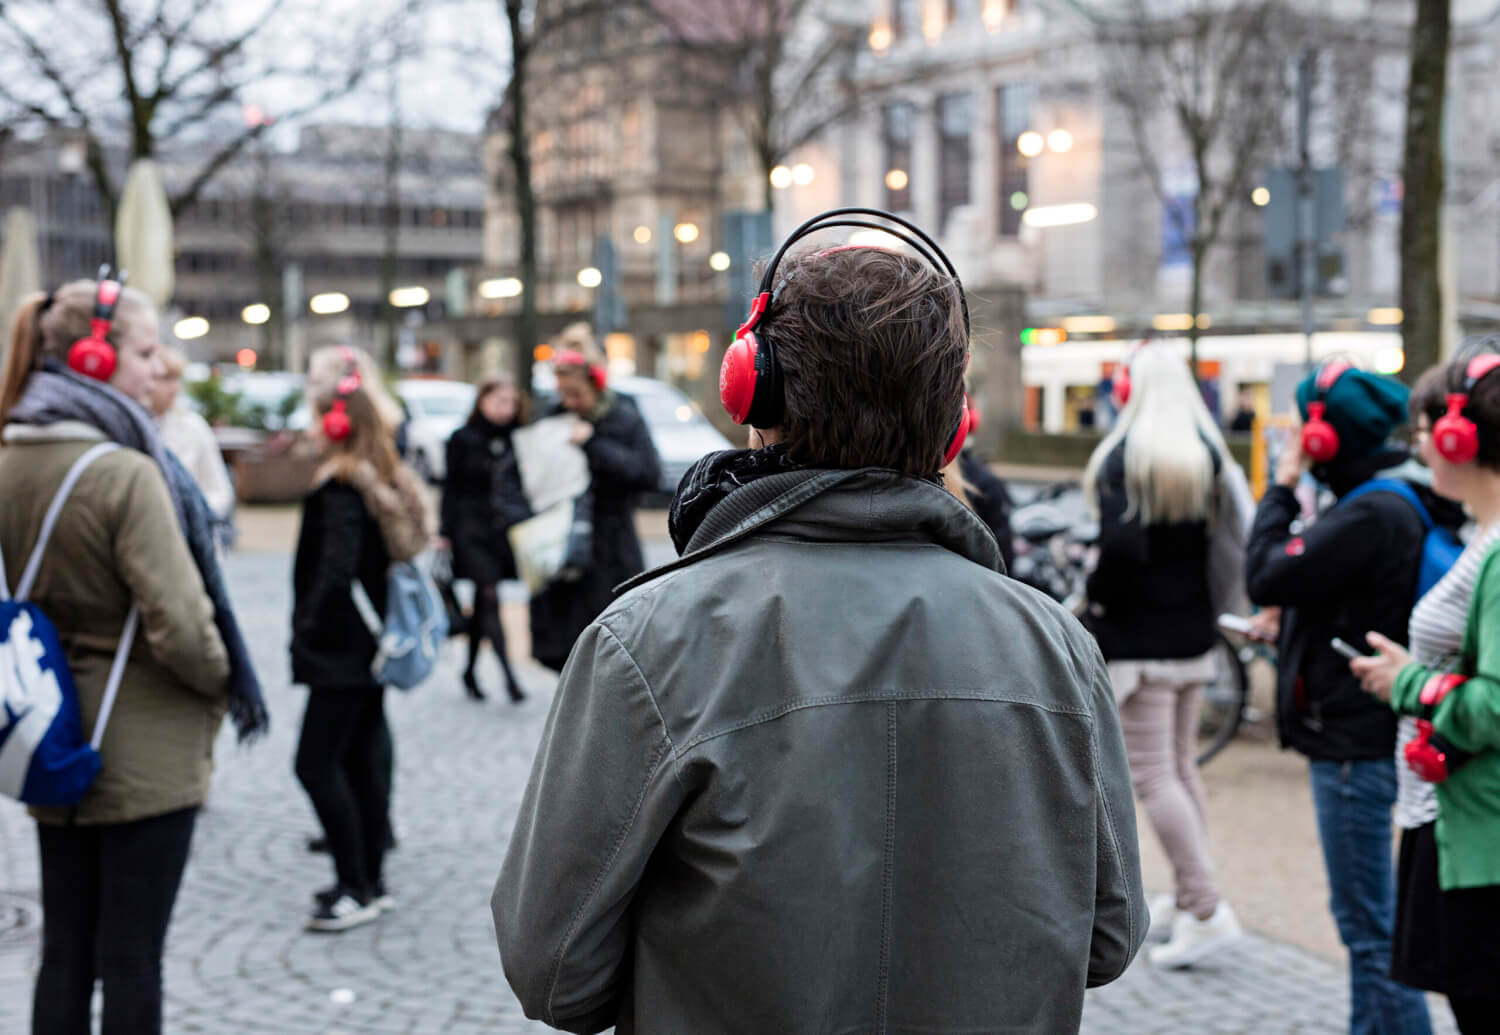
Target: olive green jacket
point(117, 542)
point(1468, 823)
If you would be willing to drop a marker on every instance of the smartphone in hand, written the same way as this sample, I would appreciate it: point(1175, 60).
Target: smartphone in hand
point(1346, 650)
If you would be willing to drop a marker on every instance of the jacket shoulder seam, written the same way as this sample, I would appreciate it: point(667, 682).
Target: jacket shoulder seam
point(666, 732)
point(888, 697)
point(663, 753)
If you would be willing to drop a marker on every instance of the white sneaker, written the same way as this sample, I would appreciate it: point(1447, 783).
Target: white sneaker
point(1163, 912)
point(1193, 939)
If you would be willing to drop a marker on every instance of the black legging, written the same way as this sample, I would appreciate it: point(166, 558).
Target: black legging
point(107, 895)
point(343, 764)
point(485, 624)
point(1475, 1014)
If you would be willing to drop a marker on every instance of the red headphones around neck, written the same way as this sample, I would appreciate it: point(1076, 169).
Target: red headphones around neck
point(94, 356)
point(1454, 436)
point(575, 358)
point(750, 378)
point(336, 423)
point(1320, 441)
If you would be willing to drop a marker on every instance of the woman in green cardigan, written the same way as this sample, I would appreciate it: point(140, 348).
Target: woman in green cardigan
point(1450, 870)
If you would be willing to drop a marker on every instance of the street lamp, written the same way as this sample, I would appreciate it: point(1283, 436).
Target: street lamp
point(1060, 141)
point(896, 179)
point(503, 287)
point(718, 262)
point(590, 277)
point(257, 313)
point(1260, 197)
point(329, 304)
point(781, 177)
point(643, 235)
point(686, 233)
point(409, 297)
point(802, 174)
point(1030, 143)
point(190, 327)
point(1060, 215)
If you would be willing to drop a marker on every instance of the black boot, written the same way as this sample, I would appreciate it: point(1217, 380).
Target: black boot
point(471, 686)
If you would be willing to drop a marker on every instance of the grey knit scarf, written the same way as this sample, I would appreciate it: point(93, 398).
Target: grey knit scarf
point(54, 394)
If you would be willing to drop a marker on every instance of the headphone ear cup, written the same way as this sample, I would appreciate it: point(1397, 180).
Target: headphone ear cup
point(961, 433)
point(737, 378)
point(93, 357)
point(336, 423)
point(1456, 438)
point(599, 376)
point(1319, 439)
point(1122, 387)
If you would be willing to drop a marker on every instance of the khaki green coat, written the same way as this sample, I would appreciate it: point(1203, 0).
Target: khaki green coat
point(118, 542)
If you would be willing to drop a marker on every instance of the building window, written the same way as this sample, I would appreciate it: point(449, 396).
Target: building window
point(1013, 117)
point(955, 130)
point(906, 19)
point(900, 124)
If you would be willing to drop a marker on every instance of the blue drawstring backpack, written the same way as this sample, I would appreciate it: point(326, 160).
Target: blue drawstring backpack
point(44, 759)
point(414, 627)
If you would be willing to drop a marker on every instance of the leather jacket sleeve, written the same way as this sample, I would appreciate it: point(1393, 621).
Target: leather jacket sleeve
point(1121, 918)
point(589, 821)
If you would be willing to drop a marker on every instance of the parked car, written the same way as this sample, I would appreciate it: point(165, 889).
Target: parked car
point(680, 432)
point(435, 409)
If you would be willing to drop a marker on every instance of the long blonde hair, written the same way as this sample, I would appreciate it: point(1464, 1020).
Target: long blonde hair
point(1170, 443)
point(373, 415)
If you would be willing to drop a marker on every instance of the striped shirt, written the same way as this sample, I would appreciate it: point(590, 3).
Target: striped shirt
point(1436, 635)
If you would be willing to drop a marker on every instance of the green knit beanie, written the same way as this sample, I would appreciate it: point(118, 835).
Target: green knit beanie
point(1363, 408)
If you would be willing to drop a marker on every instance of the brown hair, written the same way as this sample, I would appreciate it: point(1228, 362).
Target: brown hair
point(373, 415)
point(46, 326)
point(501, 380)
point(872, 347)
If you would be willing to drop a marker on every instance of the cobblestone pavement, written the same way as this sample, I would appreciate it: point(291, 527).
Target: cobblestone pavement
point(238, 960)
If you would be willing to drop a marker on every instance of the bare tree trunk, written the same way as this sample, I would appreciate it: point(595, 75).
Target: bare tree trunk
point(1422, 203)
point(390, 316)
point(1195, 304)
point(520, 159)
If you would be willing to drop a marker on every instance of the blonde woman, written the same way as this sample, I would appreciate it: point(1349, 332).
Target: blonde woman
point(188, 435)
point(364, 511)
point(1157, 482)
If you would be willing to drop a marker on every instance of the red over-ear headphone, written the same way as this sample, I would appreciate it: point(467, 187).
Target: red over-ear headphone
point(575, 358)
point(336, 423)
point(750, 380)
point(1320, 441)
point(1454, 436)
point(94, 356)
point(1121, 387)
point(1430, 756)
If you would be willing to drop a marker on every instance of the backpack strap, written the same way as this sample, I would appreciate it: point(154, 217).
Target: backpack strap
point(54, 511)
point(1399, 488)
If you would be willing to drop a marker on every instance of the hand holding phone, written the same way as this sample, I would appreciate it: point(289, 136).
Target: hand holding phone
point(1345, 649)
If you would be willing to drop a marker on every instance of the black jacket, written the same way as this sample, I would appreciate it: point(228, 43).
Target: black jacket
point(482, 497)
point(1149, 595)
point(623, 464)
point(1353, 570)
point(340, 541)
point(991, 500)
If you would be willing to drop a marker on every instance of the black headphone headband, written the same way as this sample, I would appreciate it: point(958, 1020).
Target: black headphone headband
point(932, 252)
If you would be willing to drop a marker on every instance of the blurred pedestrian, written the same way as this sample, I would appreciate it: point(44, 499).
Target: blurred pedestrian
point(1448, 906)
point(746, 813)
point(482, 497)
point(987, 493)
point(1354, 569)
point(188, 435)
point(133, 533)
point(1159, 483)
point(365, 511)
point(622, 464)
point(1243, 421)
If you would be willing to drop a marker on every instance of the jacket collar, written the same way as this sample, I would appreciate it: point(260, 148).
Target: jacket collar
point(61, 431)
point(865, 505)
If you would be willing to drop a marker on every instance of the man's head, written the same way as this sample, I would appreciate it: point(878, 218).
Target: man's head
point(872, 348)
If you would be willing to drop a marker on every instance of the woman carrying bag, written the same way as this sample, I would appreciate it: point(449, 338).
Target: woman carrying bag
point(133, 533)
point(482, 497)
point(622, 464)
point(1160, 484)
point(364, 511)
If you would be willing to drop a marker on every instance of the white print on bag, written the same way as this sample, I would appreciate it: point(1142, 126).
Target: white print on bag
point(30, 696)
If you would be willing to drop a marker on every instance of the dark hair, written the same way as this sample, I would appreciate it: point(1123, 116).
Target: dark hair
point(1429, 395)
point(494, 381)
point(872, 347)
point(1483, 408)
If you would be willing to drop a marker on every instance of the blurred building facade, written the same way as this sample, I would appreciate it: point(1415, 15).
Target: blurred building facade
point(278, 227)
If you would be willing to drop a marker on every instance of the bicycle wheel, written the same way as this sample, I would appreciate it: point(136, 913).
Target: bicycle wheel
point(1223, 701)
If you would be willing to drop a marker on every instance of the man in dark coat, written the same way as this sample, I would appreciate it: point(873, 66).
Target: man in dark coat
point(622, 465)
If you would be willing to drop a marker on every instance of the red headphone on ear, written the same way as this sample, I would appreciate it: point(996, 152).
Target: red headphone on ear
point(1320, 441)
point(94, 356)
point(1121, 387)
point(750, 379)
point(1454, 436)
point(336, 423)
point(575, 358)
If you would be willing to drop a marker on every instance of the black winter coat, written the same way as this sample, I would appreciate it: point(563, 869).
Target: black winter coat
point(1353, 570)
point(990, 499)
point(1148, 596)
point(623, 464)
point(340, 541)
point(482, 497)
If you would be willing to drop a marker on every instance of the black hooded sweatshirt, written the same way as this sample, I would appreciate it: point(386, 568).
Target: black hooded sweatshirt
point(1353, 570)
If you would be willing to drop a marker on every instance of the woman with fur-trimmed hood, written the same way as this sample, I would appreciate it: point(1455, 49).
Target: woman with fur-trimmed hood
point(364, 512)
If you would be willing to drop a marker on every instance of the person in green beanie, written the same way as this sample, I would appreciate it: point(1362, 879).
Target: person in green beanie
point(1353, 569)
